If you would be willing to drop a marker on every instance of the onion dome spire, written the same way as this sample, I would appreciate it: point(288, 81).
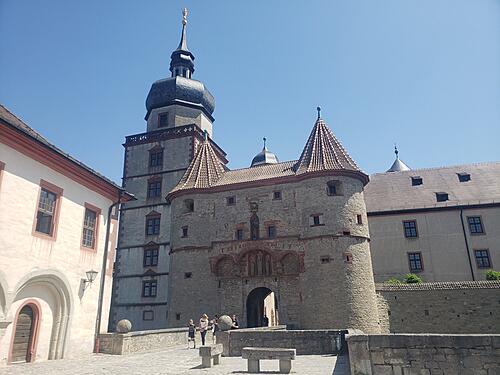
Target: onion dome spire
point(264, 157)
point(398, 165)
point(323, 152)
point(182, 60)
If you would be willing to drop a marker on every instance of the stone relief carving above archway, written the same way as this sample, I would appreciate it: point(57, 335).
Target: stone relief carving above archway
point(258, 263)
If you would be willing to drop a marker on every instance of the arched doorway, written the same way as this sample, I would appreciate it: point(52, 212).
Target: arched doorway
point(25, 334)
point(262, 308)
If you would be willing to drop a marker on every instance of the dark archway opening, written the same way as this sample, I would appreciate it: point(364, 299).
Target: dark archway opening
point(262, 308)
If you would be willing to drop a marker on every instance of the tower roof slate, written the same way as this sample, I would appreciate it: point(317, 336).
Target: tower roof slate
point(324, 152)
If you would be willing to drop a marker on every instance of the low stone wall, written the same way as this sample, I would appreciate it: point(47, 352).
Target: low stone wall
point(442, 307)
point(143, 341)
point(304, 341)
point(424, 354)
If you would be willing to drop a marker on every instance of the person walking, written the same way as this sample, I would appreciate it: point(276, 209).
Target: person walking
point(203, 327)
point(215, 327)
point(191, 331)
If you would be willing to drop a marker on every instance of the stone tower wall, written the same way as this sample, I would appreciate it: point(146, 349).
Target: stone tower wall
point(325, 282)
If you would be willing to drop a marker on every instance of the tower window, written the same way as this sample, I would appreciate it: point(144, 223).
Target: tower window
point(150, 258)
point(152, 224)
point(163, 120)
point(156, 158)
point(316, 220)
point(184, 231)
point(148, 315)
point(231, 201)
point(416, 180)
point(482, 258)
point(149, 288)
point(334, 187)
point(463, 177)
point(475, 225)
point(277, 195)
point(154, 189)
point(271, 231)
point(359, 219)
point(238, 234)
point(415, 262)
point(410, 228)
point(189, 205)
point(442, 197)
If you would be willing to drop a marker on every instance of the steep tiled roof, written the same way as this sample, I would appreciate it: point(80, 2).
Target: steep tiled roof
point(15, 122)
point(256, 173)
point(324, 152)
point(393, 191)
point(204, 171)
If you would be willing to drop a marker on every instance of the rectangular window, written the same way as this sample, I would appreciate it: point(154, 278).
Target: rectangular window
point(463, 177)
point(47, 208)
point(482, 258)
point(239, 234)
point(271, 231)
point(149, 288)
point(231, 201)
point(475, 225)
point(359, 219)
point(152, 225)
point(148, 315)
point(89, 228)
point(415, 261)
point(277, 195)
point(150, 258)
point(184, 231)
point(163, 120)
point(154, 189)
point(156, 158)
point(410, 228)
point(416, 180)
point(316, 219)
point(441, 197)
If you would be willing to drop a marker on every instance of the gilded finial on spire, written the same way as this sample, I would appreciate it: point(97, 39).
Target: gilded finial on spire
point(396, 150)
point(319, 112)
point(184, 16)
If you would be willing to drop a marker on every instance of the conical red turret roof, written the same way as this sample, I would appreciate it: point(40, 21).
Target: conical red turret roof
point(324, 152)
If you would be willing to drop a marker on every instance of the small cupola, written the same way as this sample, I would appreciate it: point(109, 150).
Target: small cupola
point(182, 60)
point(264, 157)
point(398, 165)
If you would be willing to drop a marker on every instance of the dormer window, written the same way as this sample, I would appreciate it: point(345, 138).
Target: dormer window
point(463, 177)
point(442, 197)
point(416, 180)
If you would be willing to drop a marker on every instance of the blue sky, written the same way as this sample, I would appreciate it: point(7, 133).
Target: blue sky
point(422, 73)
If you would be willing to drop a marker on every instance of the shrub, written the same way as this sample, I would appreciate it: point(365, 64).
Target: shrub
point(411, 278)
point(493, 275)
point(393, 280)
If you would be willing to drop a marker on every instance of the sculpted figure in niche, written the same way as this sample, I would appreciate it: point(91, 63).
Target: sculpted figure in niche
point(267, 265)
point(252, 267)
point(254, 227)
point(260, 264)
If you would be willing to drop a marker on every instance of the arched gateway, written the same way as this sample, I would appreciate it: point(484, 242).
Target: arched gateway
point(262, 308)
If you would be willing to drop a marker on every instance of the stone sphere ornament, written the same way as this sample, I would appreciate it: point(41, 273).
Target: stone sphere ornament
point(225, 323)
point(123, 326)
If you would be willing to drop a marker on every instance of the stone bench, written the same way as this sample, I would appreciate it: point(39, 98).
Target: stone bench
point(209, 352)
point(254, 355)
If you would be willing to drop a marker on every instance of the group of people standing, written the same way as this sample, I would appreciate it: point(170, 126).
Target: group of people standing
point(205, 326)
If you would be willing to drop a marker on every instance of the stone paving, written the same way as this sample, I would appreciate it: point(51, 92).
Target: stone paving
point(173, 361)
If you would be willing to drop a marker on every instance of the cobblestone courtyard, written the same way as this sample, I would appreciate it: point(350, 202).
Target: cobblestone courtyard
point(177, 360)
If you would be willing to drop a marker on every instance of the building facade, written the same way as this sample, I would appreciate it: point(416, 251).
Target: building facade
point(54, 220)
point(440, 223)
